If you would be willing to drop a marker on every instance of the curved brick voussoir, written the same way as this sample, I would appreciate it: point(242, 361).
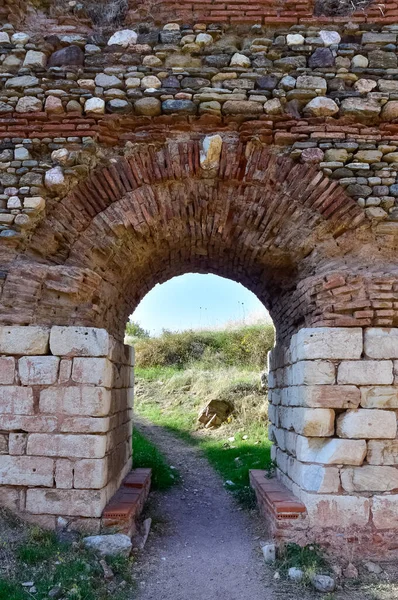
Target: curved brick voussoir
point(242, 211)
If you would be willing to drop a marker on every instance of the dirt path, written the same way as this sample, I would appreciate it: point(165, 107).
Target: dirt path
point(209, 548)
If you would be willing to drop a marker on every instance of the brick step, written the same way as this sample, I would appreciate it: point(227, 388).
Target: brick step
point(123, 509)
point(272, 496)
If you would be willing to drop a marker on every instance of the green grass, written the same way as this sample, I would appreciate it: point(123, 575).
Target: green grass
point(49, 563)
point(310, 559)
point(10, 590)
point(156, 373)
point(173, 404)
point(145, 454)
point(234, 461)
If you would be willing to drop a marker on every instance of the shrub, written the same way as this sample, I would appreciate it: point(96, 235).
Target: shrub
point(246, 346)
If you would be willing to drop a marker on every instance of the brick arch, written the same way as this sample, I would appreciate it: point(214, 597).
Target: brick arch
point(258, 218)
point(285, 185)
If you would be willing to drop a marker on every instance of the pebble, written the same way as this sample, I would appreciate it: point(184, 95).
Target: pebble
point(295, 574)
point(373, 567)
point(323, 583)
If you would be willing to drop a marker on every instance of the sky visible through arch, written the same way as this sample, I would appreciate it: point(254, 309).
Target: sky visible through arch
point(194, 301)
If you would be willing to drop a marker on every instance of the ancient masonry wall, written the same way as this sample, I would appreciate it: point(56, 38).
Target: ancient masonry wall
point(65, 422)
point(321, 95)
point(333, 409)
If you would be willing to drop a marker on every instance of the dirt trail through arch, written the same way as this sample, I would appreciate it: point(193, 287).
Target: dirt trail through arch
point(209, 548)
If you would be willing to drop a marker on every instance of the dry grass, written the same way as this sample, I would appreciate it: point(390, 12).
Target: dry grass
point(334, 8)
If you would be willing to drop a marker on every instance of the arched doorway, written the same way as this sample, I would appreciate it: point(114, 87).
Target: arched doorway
point(286, 232)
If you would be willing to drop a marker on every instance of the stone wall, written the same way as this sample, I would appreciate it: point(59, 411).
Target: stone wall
point(324, 96)
point(333, 408)
point(255, 141)
point(66, 396)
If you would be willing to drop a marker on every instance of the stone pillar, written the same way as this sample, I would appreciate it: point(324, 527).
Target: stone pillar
point(333, 412)
point(66, 397)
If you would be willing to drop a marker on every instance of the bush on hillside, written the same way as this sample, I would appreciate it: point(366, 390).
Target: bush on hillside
point(246, 346)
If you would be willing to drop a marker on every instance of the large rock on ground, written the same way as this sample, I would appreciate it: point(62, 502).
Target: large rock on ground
point(116, 544)
point(215, 413)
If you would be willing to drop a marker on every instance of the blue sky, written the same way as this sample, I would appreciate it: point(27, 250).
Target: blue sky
point(194, 301)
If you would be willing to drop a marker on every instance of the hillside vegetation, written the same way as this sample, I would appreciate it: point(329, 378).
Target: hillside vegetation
point(178, 374)
point(245, 346)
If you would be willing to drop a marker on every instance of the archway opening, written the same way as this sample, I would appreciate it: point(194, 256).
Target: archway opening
point(201, 345)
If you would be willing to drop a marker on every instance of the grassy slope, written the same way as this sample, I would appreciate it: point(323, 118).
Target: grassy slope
point(171, 398)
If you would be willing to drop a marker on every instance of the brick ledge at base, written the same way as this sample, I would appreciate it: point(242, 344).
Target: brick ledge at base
point(275, 501)
point(121, 513)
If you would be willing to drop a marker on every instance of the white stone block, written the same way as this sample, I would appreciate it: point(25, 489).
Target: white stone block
point(73, 503)
point(26, 470)
point(97, 371)
point(382, 452)
point(131, 356)
point(23, 340)
point(367, 424)
point(330, 451)
point(311, 422)
point(12, 422)
point(76, 400)
point(282, 460)
point(38, 370)
point(311, 372)
point(383, 396)
point(91, 473)
point(66, 445)
point(369, 478)
point(17, 443)
point(16, 400)
point(85, 425)
point(365, 372)
point(381, 342)
point(79, 341)
point(336, 343)
point(335, 511)
point(7, 370)
point(64, 473)
point(322, 396)
point(275, 396)
point(291, 442)
point(273, 414)
point(314, 478)
point(279, 436)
